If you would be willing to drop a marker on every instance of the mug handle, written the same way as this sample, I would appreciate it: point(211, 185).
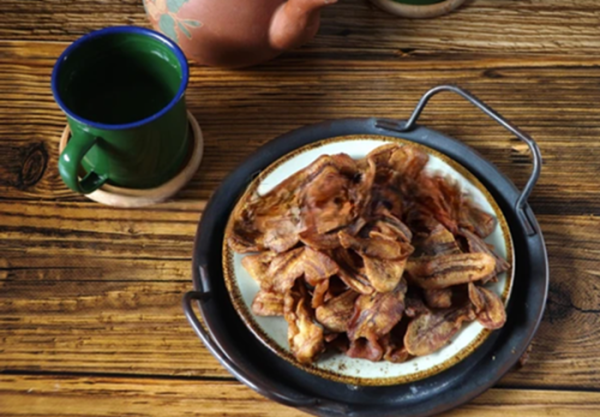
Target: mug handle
point(70, 161)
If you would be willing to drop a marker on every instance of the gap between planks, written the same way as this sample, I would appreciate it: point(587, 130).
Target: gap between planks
point(162, 377)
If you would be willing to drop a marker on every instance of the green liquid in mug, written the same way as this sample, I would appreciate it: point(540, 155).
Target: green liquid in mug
point(121, 84)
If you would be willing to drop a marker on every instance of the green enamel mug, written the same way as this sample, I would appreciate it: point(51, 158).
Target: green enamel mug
point(123, 92)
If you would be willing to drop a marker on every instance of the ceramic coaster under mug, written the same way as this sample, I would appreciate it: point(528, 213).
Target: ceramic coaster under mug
point(418, 9)
point(128, 197)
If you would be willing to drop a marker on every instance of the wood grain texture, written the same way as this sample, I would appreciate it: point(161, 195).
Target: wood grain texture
point(90, 316)
point(102, 275)
point(547, 97)
point(506, 26)
point(32, 396)
point(72, 229)
point(99, 326)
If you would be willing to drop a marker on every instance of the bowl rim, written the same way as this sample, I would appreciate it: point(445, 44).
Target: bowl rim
point(418, 11)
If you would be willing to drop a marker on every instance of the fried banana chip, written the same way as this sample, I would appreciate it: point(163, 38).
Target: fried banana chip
point(445, 271)
point(431, 331)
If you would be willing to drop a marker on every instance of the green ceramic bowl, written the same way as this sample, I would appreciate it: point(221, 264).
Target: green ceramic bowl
point(418, 2)
point(418, 8)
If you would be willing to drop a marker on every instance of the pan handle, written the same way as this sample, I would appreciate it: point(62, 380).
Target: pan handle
point(270, 391)
point(521, 205)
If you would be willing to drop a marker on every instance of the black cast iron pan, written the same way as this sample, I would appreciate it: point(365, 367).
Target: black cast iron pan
point(230, 341)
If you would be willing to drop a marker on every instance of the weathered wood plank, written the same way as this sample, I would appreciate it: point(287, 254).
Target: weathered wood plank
point(91, 326)
point(85, 263)
point(83, 229)
point(547, 97)
point(44, 267)
point(33, 396)
point(540, 26)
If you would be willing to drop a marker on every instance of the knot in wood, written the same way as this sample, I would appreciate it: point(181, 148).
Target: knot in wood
point(35, 160)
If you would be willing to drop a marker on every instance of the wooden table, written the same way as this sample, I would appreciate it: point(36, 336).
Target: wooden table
point(90, 316)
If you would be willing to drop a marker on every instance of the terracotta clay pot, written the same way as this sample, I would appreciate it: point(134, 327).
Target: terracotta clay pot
point(236, 33)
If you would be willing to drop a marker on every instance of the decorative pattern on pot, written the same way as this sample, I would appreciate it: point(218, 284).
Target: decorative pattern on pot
point(165, 13)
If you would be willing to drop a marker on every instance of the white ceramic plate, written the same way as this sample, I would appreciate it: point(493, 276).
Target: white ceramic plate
point(272, 331)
